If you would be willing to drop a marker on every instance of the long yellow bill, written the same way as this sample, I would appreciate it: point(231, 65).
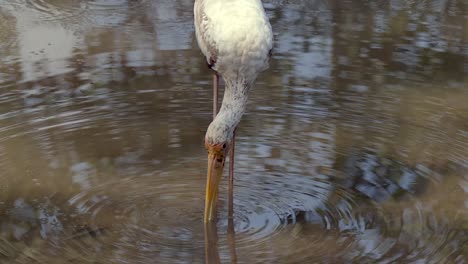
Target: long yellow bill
point(215, 171)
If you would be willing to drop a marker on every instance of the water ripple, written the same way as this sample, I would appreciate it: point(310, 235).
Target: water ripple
point(55, 10)
point(353, 149)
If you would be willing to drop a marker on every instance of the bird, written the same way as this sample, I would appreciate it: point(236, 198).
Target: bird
point(236, 38)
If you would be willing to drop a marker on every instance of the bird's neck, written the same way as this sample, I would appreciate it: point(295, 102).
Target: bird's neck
point(234, 102)
point(232, 108)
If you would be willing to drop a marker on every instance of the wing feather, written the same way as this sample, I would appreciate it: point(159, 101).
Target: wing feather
point(202, 26)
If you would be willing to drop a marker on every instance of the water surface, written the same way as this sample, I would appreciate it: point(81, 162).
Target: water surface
point(354, 148)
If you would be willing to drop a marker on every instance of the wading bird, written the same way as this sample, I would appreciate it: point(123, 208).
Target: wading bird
point(236, 38)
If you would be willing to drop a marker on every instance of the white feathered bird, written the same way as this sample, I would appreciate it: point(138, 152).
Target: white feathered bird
point(236, 38)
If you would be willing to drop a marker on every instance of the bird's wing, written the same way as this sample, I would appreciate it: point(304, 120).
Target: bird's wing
point(202, 29)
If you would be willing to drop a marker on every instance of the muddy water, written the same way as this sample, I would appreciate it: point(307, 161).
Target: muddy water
point(354, 148)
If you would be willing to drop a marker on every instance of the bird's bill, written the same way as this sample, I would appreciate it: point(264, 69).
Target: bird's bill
point(215, 171)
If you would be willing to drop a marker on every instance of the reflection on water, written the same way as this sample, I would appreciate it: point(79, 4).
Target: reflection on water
point(354, 147)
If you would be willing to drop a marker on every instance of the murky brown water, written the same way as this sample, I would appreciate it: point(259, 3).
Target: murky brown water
point(354, 148)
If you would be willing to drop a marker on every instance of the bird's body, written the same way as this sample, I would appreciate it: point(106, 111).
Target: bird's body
point(236, 38)
point(234, 35)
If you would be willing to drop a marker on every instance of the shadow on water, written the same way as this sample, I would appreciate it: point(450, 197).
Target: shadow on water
point(354, 148)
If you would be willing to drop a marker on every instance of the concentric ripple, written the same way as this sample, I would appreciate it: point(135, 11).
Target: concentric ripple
point(145, 214)
point(162, 216)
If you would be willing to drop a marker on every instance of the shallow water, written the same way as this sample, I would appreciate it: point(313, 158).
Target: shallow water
point(354, 148)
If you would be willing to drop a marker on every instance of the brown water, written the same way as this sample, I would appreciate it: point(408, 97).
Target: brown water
point(354, 148)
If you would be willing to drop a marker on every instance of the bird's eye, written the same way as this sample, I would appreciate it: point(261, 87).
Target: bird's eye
point(224, 146)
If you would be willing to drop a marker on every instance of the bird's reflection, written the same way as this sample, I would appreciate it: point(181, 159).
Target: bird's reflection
point(231, 239)
point(211, 243)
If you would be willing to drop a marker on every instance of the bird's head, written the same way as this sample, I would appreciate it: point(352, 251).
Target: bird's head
point(217, 152)
point(217, 141)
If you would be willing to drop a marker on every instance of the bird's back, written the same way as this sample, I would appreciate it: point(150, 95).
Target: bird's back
point(234, 35)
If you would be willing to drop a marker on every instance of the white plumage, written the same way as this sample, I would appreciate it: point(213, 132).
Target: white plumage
point(236, 38)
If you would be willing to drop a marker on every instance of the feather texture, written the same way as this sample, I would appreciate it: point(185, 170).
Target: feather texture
point(236, 38)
